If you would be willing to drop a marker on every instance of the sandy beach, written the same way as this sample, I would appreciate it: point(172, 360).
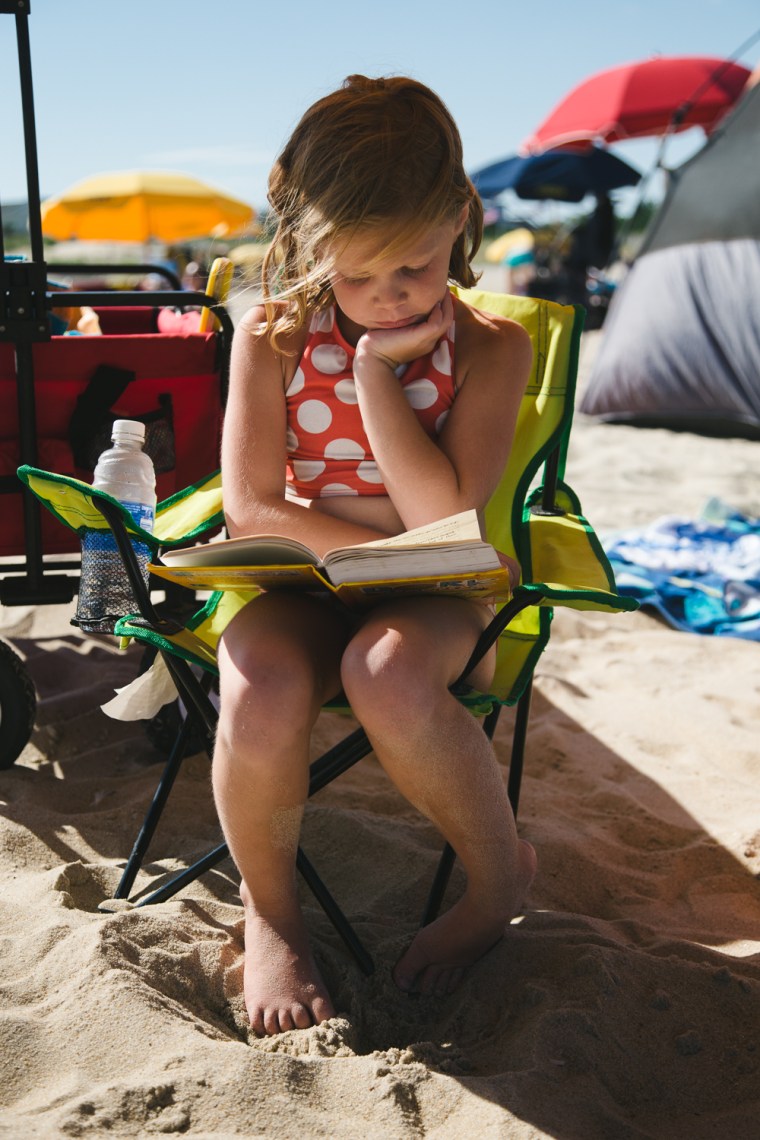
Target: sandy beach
point(623, 1004)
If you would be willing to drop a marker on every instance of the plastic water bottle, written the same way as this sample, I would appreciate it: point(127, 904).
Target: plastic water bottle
point(127, 474)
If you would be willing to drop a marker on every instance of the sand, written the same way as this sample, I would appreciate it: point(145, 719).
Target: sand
point(624, 1003)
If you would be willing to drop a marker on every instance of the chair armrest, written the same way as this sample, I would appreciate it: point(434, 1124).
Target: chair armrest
point(179, 519)
point(190, 512)
point(74, 503)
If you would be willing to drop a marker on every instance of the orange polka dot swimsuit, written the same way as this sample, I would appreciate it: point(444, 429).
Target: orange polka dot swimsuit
point(328, 449)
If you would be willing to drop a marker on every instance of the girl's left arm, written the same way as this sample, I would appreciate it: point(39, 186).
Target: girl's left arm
point(429, 479)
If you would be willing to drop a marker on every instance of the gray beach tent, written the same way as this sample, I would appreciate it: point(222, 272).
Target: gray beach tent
point(681, 345)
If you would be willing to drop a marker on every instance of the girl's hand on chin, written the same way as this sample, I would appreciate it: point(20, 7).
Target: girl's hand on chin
point(400, 346)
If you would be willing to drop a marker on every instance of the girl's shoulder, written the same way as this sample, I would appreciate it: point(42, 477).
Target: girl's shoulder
point(253, 326)
point(485, 338)
point(254, 355)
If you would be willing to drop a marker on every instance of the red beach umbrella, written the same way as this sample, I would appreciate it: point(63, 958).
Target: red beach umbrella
point(635, 100)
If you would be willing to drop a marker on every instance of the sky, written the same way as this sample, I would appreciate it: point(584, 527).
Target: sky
point(213, 88)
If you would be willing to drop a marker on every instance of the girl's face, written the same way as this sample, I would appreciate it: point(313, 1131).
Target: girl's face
point(399, 291)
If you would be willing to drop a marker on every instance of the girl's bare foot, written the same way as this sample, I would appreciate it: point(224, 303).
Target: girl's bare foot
point(436, 961)
point(282, 986)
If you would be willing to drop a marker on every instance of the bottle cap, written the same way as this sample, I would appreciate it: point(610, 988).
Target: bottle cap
point(132, 429)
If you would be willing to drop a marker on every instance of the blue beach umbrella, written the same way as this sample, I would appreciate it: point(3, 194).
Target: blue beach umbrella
point(562, 175)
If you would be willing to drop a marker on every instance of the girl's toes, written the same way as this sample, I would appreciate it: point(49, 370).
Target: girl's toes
point(454, 979)
point(257, 1023)
point(447, 980)
point(271, 1022)
point(407, 969)
point(404, 980)
point(428, 981)
point(286, 1021)
point(301, 1016)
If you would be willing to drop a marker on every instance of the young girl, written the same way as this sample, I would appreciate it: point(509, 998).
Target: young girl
point(364, 400)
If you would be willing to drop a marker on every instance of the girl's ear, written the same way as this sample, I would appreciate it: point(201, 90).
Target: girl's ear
point(462, 217)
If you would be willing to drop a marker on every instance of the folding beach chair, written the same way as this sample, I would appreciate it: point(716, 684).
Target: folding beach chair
point(534, 517)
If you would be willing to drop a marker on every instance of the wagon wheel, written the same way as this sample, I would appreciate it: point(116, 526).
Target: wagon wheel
point(18, 705)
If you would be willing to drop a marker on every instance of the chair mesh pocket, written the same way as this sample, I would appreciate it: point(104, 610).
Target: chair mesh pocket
point(105, 593)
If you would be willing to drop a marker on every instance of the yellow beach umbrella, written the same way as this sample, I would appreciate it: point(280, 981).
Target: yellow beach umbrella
point(515, 244)
point(141, 206)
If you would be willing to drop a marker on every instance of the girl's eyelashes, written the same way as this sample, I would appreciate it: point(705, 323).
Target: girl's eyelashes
point(407, 270)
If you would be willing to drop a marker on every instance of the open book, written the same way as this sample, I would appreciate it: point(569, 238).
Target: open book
point(448, 556)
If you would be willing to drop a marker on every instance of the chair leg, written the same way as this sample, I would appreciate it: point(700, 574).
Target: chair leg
point(518, 747)
point(189, 875)
point(165, 785)
point(334, 913)
point(338, 760)
point(440, 882)
point(161, 795)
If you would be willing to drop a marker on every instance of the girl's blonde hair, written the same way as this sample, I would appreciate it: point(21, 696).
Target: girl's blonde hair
point(376, 153)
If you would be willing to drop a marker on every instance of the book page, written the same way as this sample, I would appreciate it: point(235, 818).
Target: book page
point(399, 562)
point(463, 527)
point(449, 546)
point(257, 550)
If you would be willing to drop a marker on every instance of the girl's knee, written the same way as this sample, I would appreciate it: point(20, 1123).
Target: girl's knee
point(278, 647)
point(267, 692)
point(383, 673)
point(260, 672)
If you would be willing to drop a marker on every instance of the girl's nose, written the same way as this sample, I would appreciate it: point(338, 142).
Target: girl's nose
point(391, 291)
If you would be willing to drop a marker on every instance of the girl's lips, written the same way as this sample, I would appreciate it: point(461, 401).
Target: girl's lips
point(399, 324)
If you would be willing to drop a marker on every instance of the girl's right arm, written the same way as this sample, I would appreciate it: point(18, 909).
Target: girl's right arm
point(254, 447)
